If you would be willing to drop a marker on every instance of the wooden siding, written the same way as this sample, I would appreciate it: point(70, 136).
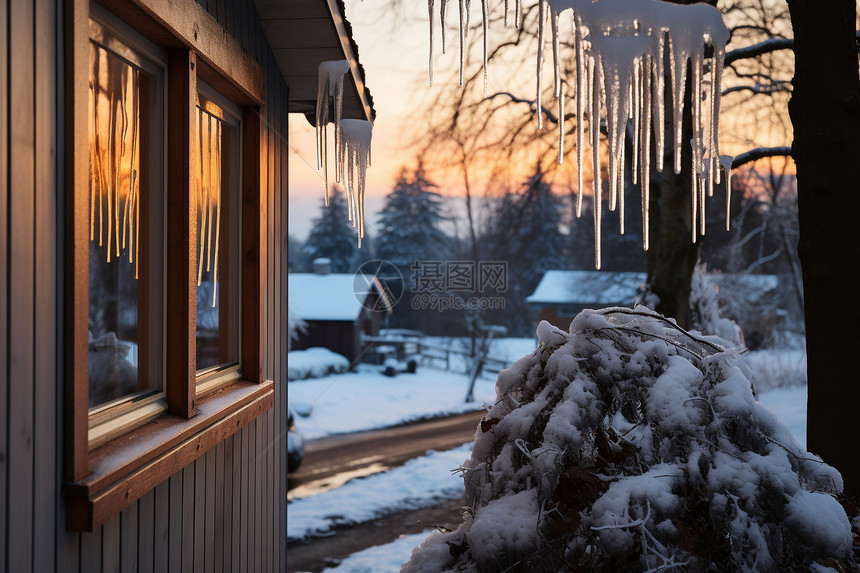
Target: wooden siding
point(226, 511)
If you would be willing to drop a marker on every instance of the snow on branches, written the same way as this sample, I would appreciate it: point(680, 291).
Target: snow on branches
point(619, 48)
point(630, 444)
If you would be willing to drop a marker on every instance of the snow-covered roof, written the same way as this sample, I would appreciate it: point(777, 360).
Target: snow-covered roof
point(326, 297)
point(600, 287)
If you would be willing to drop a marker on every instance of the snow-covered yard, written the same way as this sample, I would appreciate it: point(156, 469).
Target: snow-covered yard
point(367, 399)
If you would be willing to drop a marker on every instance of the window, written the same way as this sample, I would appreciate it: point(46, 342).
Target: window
point(125, 307)
point(163, 250)
point(219, 233)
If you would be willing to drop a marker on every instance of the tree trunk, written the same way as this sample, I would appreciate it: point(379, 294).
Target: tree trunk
point(825, 112)
point(672, 255)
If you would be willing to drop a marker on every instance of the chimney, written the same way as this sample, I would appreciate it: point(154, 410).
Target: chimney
point(322, 266)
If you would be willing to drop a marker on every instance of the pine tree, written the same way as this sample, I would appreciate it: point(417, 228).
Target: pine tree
point(525, 231)
point(333, 236)
point(409, 223)
point(409, 231)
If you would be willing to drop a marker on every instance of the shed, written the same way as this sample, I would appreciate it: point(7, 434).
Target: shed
point(339, 310)
point(143, 284)
point(561, 295)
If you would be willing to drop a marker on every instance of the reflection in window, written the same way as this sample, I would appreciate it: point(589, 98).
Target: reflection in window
point(123, 293)
point(218, 235)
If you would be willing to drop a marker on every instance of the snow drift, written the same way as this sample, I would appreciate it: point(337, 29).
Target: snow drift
point(630, 444)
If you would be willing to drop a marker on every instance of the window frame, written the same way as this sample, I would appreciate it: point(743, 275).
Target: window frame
point(106, 421)
point(100, 482)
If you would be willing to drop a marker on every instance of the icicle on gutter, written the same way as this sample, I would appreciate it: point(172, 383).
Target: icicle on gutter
point(354, 159)
point(619, 48)
point(352, 136)
point(329, 91)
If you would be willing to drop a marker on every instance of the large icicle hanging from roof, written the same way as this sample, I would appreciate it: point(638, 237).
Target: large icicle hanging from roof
point(619, 48)
point(329, 91)
point(353, 161)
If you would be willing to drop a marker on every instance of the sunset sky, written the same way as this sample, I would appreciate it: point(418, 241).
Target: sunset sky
point(394, 51)
point(394, 54)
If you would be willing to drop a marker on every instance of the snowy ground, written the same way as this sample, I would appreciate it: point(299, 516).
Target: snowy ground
point(367, 399)
point(418, 483)
point(352, 402)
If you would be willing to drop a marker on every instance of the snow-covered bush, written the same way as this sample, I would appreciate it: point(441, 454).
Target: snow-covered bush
point(632, 445)
point(314, 363)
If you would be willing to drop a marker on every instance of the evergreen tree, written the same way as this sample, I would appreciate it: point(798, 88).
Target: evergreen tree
point(525, 231)
point(333, 236)
point(409, 231)
point(409, 223)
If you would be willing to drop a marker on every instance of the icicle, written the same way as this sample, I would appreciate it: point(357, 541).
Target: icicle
point(619, 181)
point(659, 72)
point(637, 116)
point(217, 211)
point(694, 200)
point(556, 86)
point(561, 126)
point(210, 206)
point(484, 28)
point(582, 91)
point(95, 151)
point(330, 85)
point(130, 194)
point(135, 151)
point(430, 6)
point(594, 127)
point(444, 24)
point(463, 33)
point(201, 214)
point(645, 151)
point(506, 14)
point(541, 18)
point(716, 90)
point(112, 171)
point(355, 154)
point(619, 49)
point(518, 17)
point(726, 165)
point(126, 113)
point(135, 180)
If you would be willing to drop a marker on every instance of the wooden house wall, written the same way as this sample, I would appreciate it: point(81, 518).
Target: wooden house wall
point(227, 510)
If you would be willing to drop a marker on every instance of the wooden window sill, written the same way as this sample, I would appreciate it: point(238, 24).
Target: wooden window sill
point(126, 468)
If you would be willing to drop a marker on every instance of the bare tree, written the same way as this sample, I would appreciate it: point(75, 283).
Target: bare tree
point(489, 138)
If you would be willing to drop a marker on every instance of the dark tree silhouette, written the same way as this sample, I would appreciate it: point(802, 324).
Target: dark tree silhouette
point(825, 111)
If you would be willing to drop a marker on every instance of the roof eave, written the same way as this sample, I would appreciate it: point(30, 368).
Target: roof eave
point(304, 33)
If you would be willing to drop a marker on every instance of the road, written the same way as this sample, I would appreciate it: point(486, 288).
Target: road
point(331, 462)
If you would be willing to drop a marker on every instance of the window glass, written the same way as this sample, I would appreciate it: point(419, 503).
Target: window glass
point(218, 240)
point(125, 225)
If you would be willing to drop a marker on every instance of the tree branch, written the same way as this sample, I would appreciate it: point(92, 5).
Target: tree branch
point(760, 153)
point(765, 47)
point(761, 88)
